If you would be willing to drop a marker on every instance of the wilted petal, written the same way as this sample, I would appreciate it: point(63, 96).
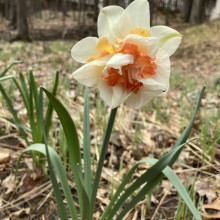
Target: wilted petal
point(112, 95)
point(84, 49)
point(169, 39)
point(141, 98)
point(107, 22)
point(139, 13)
point(148, 46)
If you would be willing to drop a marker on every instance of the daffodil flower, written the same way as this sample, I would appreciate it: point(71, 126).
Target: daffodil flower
point(129, 62)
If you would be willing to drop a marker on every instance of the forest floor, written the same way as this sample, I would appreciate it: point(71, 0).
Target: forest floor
point(150, 131)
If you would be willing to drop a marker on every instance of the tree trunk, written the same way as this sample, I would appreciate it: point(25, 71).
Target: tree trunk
point(168, 12)
point(105, 3)
point(13, 15)
point(198, 12)
point(151, 5)
point(187, 9)
point(22, 24)
point(96, 9)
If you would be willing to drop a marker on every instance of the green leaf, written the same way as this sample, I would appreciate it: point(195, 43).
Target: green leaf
point(49, 114)
point(174, 179)
point(72, 140)
point(18, 124)
point(169, 173)
point(24, 97)
point(60, 171)
point(86, 145)
point(154, 175)
point(6, 77)
point(33, 89)
point(8, 68)
point(24, 86)
point(57, 193)
point(31, 117)
point(13, 112)
point(150, 174)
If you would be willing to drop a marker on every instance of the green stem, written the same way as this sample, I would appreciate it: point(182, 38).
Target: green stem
point(102, 157)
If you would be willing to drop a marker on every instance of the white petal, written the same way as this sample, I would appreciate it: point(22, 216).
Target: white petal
point(170, 39)
point(125, 25)
point(84, 49)
point(107, 22)
point(147, 45)
point(160, 80)
point(141, 98)
point(139, 13)
point(119, 60)
point(112, 95)
point(90, 73)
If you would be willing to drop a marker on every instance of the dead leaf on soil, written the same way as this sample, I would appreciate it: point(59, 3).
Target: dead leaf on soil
point(28, 184)
point(214, 206)
point(9, 183)
point(202, 187)
point(4, 156)
point(167, 187)
point(20, 212)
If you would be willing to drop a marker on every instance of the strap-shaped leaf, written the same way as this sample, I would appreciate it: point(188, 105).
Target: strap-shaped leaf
point(8, 68)
point(6, 77)
point(71, 138)
point(174, 179)
point(60, 171)
point(153, 175)
point(35, 95)
point(49, 114)
point(12, 111)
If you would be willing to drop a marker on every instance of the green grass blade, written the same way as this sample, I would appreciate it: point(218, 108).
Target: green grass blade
point(49, 114)
point(6, 77)
point(8, 68)
point(13, 112)
point(57, 193)
point(72, 140)
point(102, 156)
point(86, 145)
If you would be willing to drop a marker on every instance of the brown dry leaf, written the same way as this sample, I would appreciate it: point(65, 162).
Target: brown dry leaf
point(167, 187)
point(202, 187)
point(214, 206)
point(28, 184)
point(9, 183)
point(4, 156)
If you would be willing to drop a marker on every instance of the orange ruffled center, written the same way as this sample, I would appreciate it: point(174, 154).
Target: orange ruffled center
point(143, 66)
